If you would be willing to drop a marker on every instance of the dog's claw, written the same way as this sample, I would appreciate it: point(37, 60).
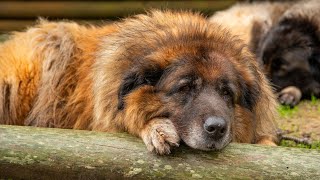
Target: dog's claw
point(160, 136)
point(290, 96)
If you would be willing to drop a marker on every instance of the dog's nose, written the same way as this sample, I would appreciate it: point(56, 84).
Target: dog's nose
point(216, 127)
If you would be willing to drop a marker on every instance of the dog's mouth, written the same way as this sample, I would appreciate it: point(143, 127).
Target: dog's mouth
point(218, 145)
point(206, 143)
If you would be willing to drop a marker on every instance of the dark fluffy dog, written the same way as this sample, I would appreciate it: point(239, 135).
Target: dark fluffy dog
point(291, 53)
point(163, 77)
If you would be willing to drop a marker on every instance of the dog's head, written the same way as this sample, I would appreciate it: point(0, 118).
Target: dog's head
point(191, 72)
point(290, 53)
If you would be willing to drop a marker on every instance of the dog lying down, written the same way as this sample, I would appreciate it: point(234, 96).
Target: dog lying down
point(163, 76)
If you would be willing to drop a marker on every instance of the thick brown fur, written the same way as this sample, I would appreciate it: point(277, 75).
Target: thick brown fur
point(120, 77)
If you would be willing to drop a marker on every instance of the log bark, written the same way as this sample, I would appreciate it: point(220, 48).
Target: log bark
point(44, 153)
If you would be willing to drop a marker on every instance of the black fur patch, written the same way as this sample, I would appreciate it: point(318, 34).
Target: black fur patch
point(6, 95)
point(258, 31)
point(288, 34)
point(314, 61)
point(304, 25)
point(249, 95)
point(137, 77)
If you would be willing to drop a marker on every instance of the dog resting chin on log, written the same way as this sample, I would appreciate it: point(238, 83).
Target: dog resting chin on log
point(164, 77)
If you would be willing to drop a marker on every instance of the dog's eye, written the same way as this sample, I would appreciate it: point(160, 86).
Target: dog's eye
point(226, 93)
point(184, 88)
point(277, 63)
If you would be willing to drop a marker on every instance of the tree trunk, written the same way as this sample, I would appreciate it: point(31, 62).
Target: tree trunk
point(44, 153)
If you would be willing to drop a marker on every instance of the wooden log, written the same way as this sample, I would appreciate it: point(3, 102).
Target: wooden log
point(44, 153)
point(99, 9)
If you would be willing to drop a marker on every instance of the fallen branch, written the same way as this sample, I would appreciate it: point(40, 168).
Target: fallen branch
point(43, 153)
point(305, 141)
point(282, 135)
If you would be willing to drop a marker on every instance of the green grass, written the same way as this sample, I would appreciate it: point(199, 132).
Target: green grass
point(287, 111)
point(314, 145)
point(314, 101)
point(291, 118)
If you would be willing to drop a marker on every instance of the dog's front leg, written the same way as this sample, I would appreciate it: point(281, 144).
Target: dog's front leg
point(160, 136)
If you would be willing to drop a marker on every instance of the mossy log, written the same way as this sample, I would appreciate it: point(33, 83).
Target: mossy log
point(44, 153)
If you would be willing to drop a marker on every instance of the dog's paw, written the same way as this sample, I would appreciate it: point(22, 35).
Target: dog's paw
point(160, 136)
point(267, 142)
point(290, 95)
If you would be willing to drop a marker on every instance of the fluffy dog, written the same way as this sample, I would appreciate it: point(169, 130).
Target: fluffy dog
point(291, 52)
point(163, 76)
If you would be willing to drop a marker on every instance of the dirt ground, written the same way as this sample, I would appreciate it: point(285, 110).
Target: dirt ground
point(302, 120)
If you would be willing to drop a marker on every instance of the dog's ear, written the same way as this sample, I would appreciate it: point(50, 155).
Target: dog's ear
point(258, 33)
point(249, 95)
point(314, 62)
point(138, 76)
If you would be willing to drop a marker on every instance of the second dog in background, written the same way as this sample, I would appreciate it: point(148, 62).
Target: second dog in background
point(285, 38)
point(290, 52)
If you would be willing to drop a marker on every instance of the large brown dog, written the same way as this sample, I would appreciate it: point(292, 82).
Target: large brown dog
point(163, 77)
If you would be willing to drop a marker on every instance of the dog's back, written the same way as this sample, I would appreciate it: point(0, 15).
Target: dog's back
point(38, 79)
